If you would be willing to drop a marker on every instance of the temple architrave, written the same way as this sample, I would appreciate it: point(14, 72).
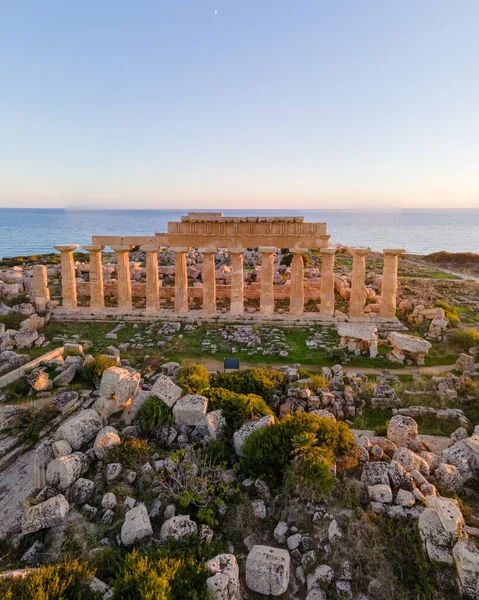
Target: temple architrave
point(209, 232)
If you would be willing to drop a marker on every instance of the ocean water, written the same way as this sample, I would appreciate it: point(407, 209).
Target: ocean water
point(34, 231)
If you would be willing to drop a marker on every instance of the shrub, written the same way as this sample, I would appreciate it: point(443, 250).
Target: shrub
point(262, 382)
point(287, 259)
point(64, 581)
point(18, 299)
point(177, 571)
point(100, 363)
point(131, 453)
point(382, 430)
point(154, 414)
point(12, 321)
point(449, 312)
point(193, 379)
point(28, 424)
point(268, 452)
point(463, 339)
point(194, 479)
point(237, 408)
point(318, 382)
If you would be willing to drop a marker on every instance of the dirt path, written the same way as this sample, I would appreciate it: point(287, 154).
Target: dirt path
point(213, 364)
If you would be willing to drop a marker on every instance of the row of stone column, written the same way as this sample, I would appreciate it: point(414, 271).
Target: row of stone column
point(357, 296)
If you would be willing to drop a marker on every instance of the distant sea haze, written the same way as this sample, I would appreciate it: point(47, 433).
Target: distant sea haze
point(36, 231)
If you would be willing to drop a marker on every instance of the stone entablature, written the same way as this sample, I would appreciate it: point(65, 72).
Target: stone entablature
point(208, 232)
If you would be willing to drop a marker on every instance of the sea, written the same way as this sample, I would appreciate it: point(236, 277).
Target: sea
point(35, 231)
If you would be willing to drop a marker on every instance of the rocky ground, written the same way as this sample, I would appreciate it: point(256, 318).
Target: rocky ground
point(296, 482)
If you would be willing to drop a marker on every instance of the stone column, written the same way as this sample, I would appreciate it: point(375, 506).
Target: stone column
point(357, 300)
point(267, 277)
point(125, 303)
point(237, 281)
point(69, 286)
point(181, 280)
point(296, 301)
point(389, 285)
point(152, 278)
point(326, 308)
point(209, 280)
point(41, 292)
point(97, 294)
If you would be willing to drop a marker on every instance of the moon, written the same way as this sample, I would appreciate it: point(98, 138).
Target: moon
point(216, 12)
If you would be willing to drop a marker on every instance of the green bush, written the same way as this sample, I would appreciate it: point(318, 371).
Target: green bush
point(318, 382)
point(177, 571)
point(154, 414)
point(193, 379)
point(269, 451)
point(12, 321)
point(28, 424)
point(237, 408)
point(262, 382)
point(287, 259)
point(100, 363)
point(131, 453)
point(64, 581)
point(382, 430)
point(463, 339)
point(450, 313)
point(18, 299)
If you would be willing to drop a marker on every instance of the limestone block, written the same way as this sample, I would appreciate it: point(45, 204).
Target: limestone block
point(39, 381)
point(402, 431)
point(106, 439)
point(63, 471)
point(449, 513)
point(466, 558)
point(380, 493)
point(61, 448)
point(166, 390)
point(25, 338)
point(224, 583)
point(109, 501)
point(66, 376)
point(131, 411)
point(110, 384)
point(465, 363)
point(178, 528)
point(136, 525)
point(81, 491)
point(190, 410)
point(268, 570)
point(240, 436)
point(80, 428)
point(450, 478)
point(411, 461)
point(405, 498)
point(322, 576)
point(375, 473)
point(216, 424)
point(46, 514)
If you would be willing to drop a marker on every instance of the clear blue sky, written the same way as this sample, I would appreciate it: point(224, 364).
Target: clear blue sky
point(268, 104)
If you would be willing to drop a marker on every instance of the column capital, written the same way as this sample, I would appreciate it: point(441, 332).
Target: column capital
point(298, 250)
point(329, 251)
point(394, 251)
point(94, 248)
point(121, 248)
point(325, 238)
point(267, 249)
point(208, 250)
point(236, 250)
point(66, 247)
point(149, 248)
point(359, 251)
point(180, 250)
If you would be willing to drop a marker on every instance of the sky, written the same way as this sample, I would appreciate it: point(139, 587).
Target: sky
point(266, 104)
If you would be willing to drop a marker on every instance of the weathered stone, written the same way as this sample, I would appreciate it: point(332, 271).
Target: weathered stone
point(61, 448)
point(190, 410)
point(280, 532)
point(216, 424)
point(46, 514)
point(63, 471)
point(224, 583)
point(466, 558)
point(136, 526)
point(411, 461)
point(113, 471)
point(106, 439)
point(268, 570)
point(166, 390)
point(450, 478)
point(402, 431)
point(109, 501)
point(81, 490)
point(66, 376)
point(375, 473)
point(39, 381)
point(322, 576)
point(178, 528)
point(465, 363)
point(380, 493)
point(80, 428)
point(121, 383)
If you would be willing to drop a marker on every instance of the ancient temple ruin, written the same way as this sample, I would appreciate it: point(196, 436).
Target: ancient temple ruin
point(209, 232)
